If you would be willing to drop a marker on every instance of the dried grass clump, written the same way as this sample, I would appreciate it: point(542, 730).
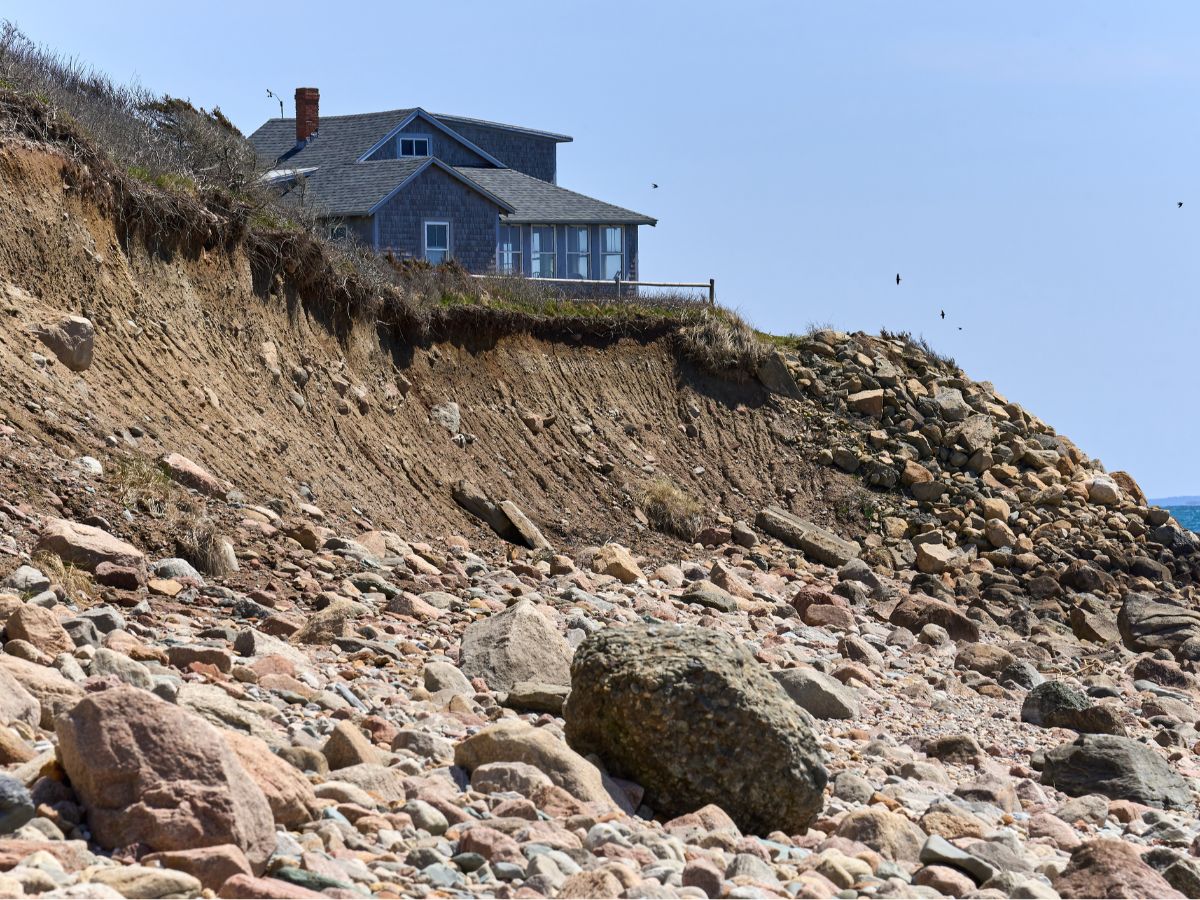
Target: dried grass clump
point(671, 511)
point(922, 346)
point(74, 581)
point(720, 342)
point(143, 485)
point(201, 544)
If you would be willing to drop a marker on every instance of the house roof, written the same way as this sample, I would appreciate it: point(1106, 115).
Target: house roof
point(358, 189)
point(467, 120)
point(541, 203)
point(341, 139)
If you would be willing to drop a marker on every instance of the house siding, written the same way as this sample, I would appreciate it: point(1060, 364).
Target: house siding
point(363, 229)
point(444, 147)
point(435, 195)
point(536, 156)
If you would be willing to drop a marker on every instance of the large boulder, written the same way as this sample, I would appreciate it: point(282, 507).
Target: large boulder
point(1147, 623)
point(1110, 869)
point(690, 715)
point(72, 340)
point(519, 644)
point(151, 773)
point(86, 546)
point(812, 540)
point(1117, 767)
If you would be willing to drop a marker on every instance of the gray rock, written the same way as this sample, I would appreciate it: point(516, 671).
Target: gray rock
point(1118, 768)
point(16, 804)
point(444, 676)
point(823, 696)
point(174, 567)
point(1023, 674)
point(705, 593)
point(519, 644)
point(951, 405)
point(448, 416)
point(693, 718)
point(130, 671)
point(750, 866)
point(937, 851)
point(1047, 703)
point(426, 816)
point(82, 631)
point(852, 788)
point(814, 541)
point(1146, 623)
point(105, 618)
point(26, 580)
point(533, 696)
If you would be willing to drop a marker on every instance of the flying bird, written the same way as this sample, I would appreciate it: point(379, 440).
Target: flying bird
point(897, 278)
point(655, 187)
point(960, 328)
point(1179, 204)
point(943, 314)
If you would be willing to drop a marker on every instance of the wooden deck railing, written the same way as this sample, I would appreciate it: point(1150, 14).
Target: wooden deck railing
point(619, 284)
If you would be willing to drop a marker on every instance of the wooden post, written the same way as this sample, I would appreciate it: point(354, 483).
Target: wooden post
point(617, 280)
point(712, 292)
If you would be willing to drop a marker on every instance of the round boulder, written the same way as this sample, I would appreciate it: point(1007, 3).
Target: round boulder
point(693, 718)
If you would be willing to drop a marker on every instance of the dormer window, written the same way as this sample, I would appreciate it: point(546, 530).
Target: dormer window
point(410, 145)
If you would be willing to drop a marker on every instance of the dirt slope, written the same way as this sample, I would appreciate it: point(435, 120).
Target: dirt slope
point(186, 360)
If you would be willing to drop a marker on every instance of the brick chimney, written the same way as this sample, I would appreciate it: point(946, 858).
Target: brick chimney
point(307, 120)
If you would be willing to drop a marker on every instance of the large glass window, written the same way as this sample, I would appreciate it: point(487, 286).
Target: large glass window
point(412, 146)
point(612, 247)
point(579, 263)
point(541, 251)
point(508, 257)
point(437, 242)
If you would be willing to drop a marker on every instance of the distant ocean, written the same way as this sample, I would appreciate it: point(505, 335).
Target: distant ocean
point(1187, 516)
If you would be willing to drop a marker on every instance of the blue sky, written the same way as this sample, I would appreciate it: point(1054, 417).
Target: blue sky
point(1018, 163)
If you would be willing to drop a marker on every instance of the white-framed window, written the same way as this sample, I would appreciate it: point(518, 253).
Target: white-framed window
point(508, 250)
point(541, 251)
point(437, 241)
point(339, 232)
point(579, 252)
point(612, 251)
point(412, 145)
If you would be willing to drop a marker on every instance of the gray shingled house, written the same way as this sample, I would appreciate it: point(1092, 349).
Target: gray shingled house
point(436, 187)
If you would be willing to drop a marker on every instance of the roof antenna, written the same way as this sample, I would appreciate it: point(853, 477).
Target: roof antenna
point(271, 93)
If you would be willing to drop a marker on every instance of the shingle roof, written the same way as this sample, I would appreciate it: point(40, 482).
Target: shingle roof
point(467, 120)
point(335, 191)
point(341, 139)
point(540, 202)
